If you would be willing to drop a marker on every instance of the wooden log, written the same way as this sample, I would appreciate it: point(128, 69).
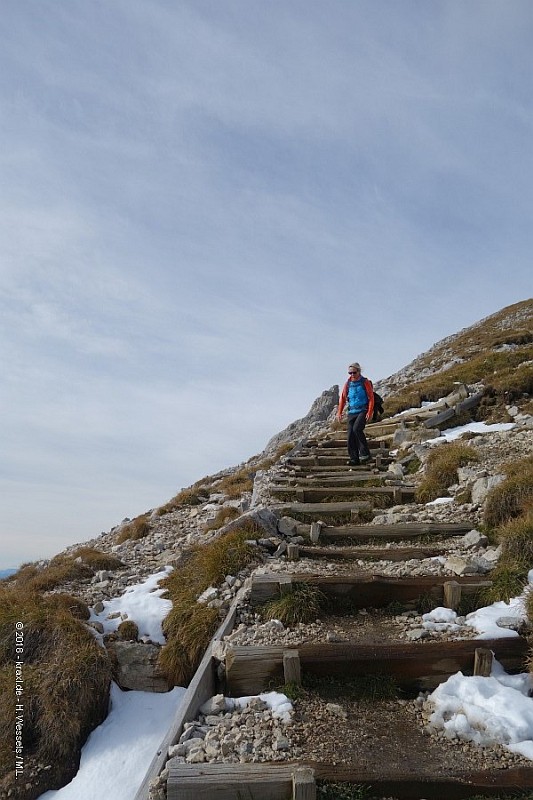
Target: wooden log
point(328, 479)
point(483, 662)
point(249, 670)
point(228, 781)
point(316, 528)
point(291, 667)
point(363, 590)
point(201, 687)
point(312, 494)
point(452, 594)
point(385, 782)
point(303, 784)
point(372, 553)
point(293, 552)
point(438, 419)
point(405, 530)
point(326, 509)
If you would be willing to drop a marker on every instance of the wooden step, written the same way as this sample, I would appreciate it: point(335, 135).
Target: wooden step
point(404, 530)
point(310, 494)
point(382, 782)
point(312, 470)
point(363, 589)
point(203, 781)
point(371, 553)
point(329, 479)
point(413, 666)
point(230, 781)
point(323, 461)
point(346, 508)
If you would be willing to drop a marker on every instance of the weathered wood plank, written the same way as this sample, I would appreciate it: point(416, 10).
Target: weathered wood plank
point(372, 553)
point(366, 590)
point(249, 670)
point(382, 782)
point(322, 508)
point(317, 493)
point(200, 689)
point(400, 531)
point(268, 781)
point(464, 405)
point(329, 479)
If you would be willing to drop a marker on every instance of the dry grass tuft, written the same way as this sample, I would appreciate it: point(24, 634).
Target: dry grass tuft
point(194, 495)
point(67, 677)
point(128, 630)
point(190, 625)
point(138, 528)
point(61, 569)
point(235, 485)
point(441, 469)
point(303, 603)
point(222, 517)
point(96, 559)
point(513, 496)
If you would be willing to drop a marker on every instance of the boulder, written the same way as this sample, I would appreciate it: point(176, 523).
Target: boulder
point(135, 667)
point(482, 487)
point(474, 539)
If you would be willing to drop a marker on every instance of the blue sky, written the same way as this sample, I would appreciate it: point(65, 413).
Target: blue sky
point(208, 209)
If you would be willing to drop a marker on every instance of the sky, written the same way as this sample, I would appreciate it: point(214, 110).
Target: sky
point(209, 208)
point(487, 711)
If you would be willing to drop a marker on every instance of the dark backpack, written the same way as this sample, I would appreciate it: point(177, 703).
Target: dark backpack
point(378, 407)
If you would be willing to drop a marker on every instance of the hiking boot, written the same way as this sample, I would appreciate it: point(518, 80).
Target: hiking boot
point(353, 463)
point(364, 459)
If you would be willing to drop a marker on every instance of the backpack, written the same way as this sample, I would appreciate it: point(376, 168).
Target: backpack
point(378, 407)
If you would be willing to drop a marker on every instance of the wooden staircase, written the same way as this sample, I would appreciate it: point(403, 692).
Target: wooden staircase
point(331, 505)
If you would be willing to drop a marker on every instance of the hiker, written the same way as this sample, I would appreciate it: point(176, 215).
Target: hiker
point(358, 394)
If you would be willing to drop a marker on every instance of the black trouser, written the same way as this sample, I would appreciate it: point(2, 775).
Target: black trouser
point(357, 443)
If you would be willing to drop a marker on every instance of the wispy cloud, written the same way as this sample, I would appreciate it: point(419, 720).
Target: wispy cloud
point(208, 209)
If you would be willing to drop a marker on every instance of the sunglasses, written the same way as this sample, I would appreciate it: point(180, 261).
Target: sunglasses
point(354, 371)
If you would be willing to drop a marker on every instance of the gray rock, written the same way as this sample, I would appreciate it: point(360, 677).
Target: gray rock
point(135, 667)
point(215, 705)
point(474, 539)
point(482, 487)
point(287, 526)
point(460, 566)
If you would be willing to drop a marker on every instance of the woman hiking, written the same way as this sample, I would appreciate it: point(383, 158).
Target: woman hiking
point(358, 395)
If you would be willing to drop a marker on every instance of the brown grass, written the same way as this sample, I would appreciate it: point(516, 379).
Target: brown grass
point(66, 677)
point(190, 625)
point(221, 518)
point(138, 528)
point(61, 569)
point(236, 484)
point(513, 496)
point(96, 559)
point(441, 469)
point(194, 495)
point(128, 630)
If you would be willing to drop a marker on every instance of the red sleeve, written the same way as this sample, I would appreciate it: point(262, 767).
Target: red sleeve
point(342, 399)
point(370, 394)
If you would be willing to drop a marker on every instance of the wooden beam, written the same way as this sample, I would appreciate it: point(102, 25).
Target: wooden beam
point(404, 530)
point(227, 781)
point(329, 509)
point(364, 589)
point(384, 782)
point(483, 662)
point(372, 553)
point(291, 667)
point(303, 784)
point(249, 670)
point(315, 530)
point(452, 594)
